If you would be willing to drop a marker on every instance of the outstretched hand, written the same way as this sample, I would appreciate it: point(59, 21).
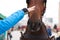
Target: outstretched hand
point(31, 9)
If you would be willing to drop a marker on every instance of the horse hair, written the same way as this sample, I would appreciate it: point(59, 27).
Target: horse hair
point(27, 1)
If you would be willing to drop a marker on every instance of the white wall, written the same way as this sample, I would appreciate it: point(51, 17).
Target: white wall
point(7, 7)
point(52, 10)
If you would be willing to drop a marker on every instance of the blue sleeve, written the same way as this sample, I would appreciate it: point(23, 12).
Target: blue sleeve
point(10, 21)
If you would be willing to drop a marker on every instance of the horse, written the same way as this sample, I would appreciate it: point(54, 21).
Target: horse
point(36, 29)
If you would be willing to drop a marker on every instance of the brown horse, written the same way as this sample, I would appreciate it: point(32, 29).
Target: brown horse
point(36, 30)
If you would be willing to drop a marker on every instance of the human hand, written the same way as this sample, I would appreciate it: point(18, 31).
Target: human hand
point(31, 9)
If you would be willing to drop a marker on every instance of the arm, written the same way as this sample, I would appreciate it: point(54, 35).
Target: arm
point(10, 21)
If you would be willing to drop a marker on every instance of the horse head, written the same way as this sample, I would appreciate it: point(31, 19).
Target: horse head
point(35, 17)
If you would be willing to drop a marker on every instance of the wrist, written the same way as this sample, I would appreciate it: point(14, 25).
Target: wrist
point(25, 10)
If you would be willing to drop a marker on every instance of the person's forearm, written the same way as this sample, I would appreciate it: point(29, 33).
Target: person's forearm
point(11, 21)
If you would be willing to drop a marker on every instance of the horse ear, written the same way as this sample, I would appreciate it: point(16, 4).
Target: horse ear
point(45, 1)
point(45, 7)
point(27, 1)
